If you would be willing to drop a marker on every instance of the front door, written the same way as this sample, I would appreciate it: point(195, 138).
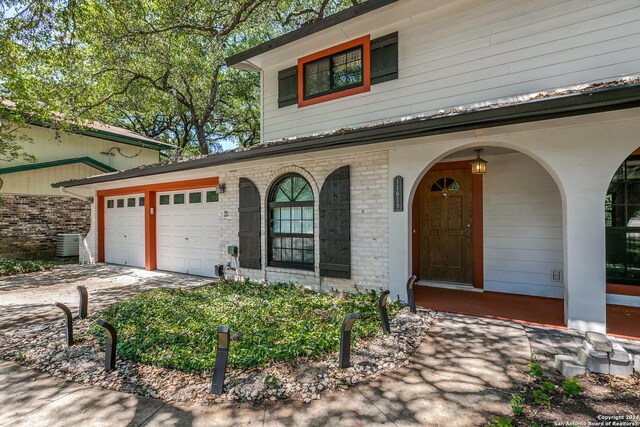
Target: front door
point(445, 226)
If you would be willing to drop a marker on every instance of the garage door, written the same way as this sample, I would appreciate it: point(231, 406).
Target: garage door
point(188, 231)
point(124, 230)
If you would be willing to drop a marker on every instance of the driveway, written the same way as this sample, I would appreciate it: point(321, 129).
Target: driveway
point(30, 298)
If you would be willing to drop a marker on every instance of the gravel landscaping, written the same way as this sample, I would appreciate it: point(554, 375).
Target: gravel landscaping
point(43, 347)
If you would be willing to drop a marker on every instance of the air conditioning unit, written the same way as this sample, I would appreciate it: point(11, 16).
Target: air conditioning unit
point(68, 245)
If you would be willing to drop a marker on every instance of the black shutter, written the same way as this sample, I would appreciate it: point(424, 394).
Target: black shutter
point(249, 249)
point(335, 225)
point(384, 58)
point(288, 87)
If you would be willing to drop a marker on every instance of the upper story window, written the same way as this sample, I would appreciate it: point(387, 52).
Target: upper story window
point(343, 70)
point(333, 73)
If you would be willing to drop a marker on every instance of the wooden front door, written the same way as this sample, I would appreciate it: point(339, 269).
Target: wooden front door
point(445, 226)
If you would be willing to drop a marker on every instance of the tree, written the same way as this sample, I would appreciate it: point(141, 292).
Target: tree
point(155, 66)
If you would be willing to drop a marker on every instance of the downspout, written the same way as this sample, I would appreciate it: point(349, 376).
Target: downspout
point(76, 196)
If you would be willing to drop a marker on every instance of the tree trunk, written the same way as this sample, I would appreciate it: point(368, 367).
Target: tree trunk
point(202, 140)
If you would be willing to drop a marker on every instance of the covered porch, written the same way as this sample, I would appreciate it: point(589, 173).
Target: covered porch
point(622, 321)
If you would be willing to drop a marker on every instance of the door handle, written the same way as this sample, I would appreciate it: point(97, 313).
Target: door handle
point(468, 233)
point(186, 238)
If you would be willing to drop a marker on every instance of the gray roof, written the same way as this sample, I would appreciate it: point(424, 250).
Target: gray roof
point(577, 100)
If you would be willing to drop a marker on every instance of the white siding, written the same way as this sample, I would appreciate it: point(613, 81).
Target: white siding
point(48, 145)
point(491, 49)
point(522, 227)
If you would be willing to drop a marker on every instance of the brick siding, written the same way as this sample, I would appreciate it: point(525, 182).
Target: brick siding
point(29, 224)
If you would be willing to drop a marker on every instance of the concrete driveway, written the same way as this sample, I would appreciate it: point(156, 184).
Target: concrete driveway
point(29, 298)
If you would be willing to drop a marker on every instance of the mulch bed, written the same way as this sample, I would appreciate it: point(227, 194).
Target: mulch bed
point(43, 347)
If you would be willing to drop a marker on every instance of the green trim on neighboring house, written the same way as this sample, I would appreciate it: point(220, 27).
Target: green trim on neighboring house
point(33, 166)
point(114, 137)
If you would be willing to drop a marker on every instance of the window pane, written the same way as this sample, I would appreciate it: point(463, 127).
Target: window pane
point(164, 199)
point(276, 254)
point(296, 226)
point(275, 213)
point(296, 213)
point(109, 204)
point(178, 199)
point(195, 197)
point(633, 216)
point(307, 212)
point(120, 203)
point(212, 196)
point(308, 244)
point(131, 202)
point(276, 226)
point(308, 257)
point(297, 256)
point(140, 201)
point(307, 227)
point(285, 212)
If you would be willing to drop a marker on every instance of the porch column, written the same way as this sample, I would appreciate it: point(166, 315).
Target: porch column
point(584, 251)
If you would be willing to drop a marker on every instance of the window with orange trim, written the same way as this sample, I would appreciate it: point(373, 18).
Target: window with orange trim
point(333, 73)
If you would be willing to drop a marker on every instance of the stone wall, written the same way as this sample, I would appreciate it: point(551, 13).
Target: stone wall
point(29, 224)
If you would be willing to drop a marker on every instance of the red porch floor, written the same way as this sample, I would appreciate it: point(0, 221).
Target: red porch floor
point(622, 321)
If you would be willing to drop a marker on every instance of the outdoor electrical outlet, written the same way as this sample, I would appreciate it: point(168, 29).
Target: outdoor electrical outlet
point(556, 275)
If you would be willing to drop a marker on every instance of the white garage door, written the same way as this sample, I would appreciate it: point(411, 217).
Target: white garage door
point(124, 230)
point(188, 231)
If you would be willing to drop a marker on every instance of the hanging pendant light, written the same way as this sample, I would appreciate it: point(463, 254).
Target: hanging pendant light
point(479, 165)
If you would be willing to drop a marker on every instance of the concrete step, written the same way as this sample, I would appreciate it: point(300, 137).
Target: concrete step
point(569, 366)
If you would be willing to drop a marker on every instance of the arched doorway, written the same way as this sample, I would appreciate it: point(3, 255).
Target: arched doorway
point(447, 225)
point(499, 233)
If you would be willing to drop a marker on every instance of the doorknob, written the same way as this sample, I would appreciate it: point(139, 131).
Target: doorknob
point(186, 238)
point(468, 230)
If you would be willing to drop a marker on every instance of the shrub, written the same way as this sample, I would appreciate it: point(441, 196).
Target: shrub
point(500, 422)
point(541, 398)
point(548, 387)
point(516, 404)
point(535, 370)
point(10, 267)
point(176, 328)
point(572, 386)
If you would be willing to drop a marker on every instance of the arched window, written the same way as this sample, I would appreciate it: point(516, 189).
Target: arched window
point(291, 223)
point(622, 224)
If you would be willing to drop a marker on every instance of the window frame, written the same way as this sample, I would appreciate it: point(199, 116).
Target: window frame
point(271, 235)
point(362, 42)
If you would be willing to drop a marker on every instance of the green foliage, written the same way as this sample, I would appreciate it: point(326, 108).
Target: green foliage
point(572, 386)
point(500, 422)
point(516, 404)
point(177, 328)
point(535, 370)
point(547, 387)
point(540, 397)
point(10, 267)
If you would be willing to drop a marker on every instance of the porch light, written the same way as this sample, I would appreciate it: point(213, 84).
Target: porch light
point(479, 165)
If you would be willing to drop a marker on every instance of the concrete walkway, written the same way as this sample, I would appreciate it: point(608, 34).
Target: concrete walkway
point(30, 298)
point(461, 375)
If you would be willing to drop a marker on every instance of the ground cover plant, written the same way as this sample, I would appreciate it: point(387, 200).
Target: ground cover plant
point(10, 267)
point(176, 328)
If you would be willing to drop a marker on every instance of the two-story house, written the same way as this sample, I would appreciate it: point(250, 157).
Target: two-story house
point(485, 145)
point(32, 213)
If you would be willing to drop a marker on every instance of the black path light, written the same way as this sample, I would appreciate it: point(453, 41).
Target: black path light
point(69, 322)
point(110, 346)
point(222, 354)
point(384, 314)
point(410, 298)
point(84, 301)
point(345, 340)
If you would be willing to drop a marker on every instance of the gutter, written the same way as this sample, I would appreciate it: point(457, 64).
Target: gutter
point(75, 196)
point(596, 101)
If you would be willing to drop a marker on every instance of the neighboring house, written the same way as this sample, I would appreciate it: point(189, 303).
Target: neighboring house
point(370, 122)
point(32, 213)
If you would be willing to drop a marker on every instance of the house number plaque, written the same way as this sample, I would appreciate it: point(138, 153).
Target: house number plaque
point(398, 194)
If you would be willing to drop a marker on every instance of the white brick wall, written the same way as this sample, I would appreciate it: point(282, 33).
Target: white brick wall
point(88, 251)
point(369, 219)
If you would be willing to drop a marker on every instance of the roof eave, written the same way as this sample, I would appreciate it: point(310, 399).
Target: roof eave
point(307, 30)
point(600, 100)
